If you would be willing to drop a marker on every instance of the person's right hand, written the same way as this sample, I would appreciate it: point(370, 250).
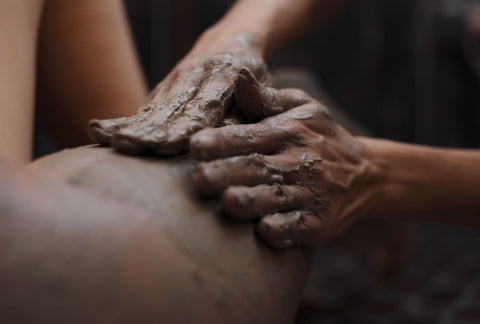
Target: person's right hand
point(195, 95)
point(300, 174)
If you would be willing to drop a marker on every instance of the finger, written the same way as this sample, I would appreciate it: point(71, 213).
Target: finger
point(212, 178)
point(258, 102)
point(102, 131)
point(265, 138)
point(233, 117)
point(184, 116)
point(284, 230)
point(289, 229)
point(168, 94)
point(249, 203)
point(208, 113)
point(207, 109)
point(149, 134)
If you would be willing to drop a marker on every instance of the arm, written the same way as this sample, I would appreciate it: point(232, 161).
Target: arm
point(307, 179)
point(198, 92)
point(423, 183)
point(271, 24)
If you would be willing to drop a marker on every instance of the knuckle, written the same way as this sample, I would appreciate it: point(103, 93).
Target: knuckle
point(256, 160)
point(302, 228)
point(283, 196)
point(324, 221)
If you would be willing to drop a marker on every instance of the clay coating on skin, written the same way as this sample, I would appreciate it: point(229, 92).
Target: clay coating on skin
point(194, 96)
point(293, 170)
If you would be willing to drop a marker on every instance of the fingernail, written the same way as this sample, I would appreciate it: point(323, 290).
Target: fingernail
point(202, 182)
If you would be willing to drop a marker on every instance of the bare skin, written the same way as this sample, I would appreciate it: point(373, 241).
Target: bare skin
point(198, 92)
point(307, 179)
point(19, 21)
point(85, 63)
point(87, 67)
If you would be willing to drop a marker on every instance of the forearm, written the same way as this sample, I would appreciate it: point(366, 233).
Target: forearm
point(423, 183)
point(268, 24)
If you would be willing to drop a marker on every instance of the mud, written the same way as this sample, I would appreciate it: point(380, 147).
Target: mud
point(197, 94)
point(295, 166)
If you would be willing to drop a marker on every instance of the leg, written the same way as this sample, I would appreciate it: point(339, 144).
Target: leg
point(19, 22)
point(87, 67)
point(123, 238)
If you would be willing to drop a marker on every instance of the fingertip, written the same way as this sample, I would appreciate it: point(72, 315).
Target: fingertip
point(98, 134)
point(274, 230)
point(235, 202)
point(206, 144)
point(202, 182)
point(94, 123)
point(198, 177)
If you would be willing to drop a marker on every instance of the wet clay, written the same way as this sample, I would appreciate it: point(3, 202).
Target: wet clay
point(97, 236)
point(293, 171)
point(194, 96)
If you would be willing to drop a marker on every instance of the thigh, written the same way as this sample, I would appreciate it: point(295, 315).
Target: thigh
point(121, 238)
point(19, 23)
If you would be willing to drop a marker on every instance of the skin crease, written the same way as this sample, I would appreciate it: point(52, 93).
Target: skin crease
point(298, 173)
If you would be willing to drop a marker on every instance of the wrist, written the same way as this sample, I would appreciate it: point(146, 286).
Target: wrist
point(220, 38)
point(383, 188)
point(423, 183)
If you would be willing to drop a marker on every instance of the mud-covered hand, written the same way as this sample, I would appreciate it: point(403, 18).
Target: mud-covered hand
point(298, 172)
point(195, 95)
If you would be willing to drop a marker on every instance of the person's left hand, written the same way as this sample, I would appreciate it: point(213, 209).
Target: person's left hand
point(195, 95)
point(299, 172)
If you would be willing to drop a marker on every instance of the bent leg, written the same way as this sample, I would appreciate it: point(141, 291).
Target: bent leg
point(19, 22)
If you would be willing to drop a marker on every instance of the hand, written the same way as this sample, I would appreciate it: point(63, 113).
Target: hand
point(195, 95)
point(298, 171)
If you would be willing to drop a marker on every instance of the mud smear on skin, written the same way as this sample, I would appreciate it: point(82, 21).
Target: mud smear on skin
point(193, 100)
